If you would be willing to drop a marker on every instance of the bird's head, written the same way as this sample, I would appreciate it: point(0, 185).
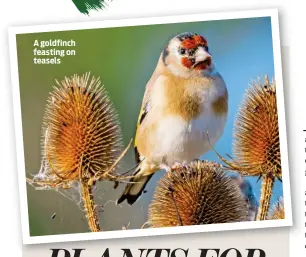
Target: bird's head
point(187, 55)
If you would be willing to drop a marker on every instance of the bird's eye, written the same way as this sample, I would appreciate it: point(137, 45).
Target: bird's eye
point(182, 51)
point(206, 48)
point(191, 51)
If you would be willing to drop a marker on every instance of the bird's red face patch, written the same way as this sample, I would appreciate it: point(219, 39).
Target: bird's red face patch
point(188, 47)
point(194, 42)
point(187, 62)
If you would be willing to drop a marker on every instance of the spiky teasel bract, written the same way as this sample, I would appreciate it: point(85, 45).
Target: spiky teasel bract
point(256, 147)
point(81, 139)
point(278, 211)
point(256, 136)
point(200, 193)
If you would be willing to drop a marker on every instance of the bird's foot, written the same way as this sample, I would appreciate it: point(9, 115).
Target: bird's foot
point(165, 167)
point(180, 165)
point(197, 162)
point(177, 165)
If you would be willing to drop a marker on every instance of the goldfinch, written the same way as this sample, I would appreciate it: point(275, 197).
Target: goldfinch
point(183, 113)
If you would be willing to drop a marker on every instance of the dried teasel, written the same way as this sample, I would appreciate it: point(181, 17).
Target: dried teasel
point(278, 211)
point(256, 147)
point(200, 193)
point(81, 139)
point(256, 136)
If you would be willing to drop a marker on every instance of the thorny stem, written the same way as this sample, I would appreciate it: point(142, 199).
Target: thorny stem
point(265, 198)
point(89, 206)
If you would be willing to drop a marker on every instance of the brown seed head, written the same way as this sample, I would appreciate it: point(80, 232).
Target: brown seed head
point(278, 211)
point(256, 133)
point(81, 133)
point(198, 194)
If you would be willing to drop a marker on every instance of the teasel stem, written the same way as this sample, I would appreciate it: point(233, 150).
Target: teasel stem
point(89, 207)
point(265, 198)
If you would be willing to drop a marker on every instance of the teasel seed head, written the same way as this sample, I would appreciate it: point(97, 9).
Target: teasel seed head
point(81, 132)
point(200, 193)
point(256, 134)
point(278, 211)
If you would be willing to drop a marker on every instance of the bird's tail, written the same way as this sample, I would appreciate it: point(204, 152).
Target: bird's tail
point(134, 189)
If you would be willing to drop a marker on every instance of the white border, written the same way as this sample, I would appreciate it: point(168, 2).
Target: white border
point(13, 31)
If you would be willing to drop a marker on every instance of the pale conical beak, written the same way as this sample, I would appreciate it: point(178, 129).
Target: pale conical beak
point(202, 55)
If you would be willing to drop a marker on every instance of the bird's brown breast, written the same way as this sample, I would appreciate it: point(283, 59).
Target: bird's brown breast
point(180, 101)
point(184, 98)
point(220, 105)
point(177, 97)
